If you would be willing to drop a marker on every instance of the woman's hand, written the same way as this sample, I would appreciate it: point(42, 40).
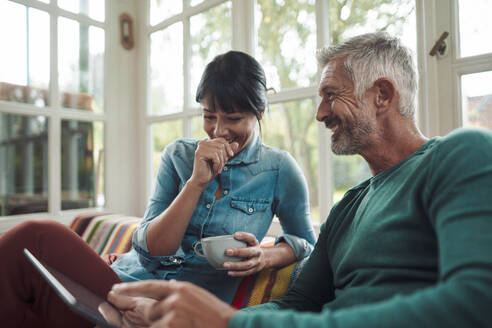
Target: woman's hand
point(255, 259)
point(210, 158)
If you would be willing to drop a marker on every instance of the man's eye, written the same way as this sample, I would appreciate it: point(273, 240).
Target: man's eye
point(329, 96)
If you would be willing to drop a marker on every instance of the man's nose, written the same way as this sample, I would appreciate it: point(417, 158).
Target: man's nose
point(323, 111)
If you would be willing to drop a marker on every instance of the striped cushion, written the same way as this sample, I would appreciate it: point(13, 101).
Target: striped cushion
point(112, 233)
point(106, 233)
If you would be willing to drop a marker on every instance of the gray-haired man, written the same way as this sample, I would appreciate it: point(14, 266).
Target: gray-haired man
point(408, 247)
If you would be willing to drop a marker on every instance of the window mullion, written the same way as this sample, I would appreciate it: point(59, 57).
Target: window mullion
point(54, 160)
point(243, 30)
point(325, 167)
point(187, 76)
point(54, 134)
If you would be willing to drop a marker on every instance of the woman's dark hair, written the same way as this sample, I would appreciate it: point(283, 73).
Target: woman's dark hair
point(234, 81)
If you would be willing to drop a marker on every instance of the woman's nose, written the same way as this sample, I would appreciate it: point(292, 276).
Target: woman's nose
point(220, 130)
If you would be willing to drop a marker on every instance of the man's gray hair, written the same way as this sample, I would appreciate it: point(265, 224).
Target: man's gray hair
point(371, 56)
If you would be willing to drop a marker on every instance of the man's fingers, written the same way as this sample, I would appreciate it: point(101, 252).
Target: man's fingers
point(122, 302)
point(156, 289)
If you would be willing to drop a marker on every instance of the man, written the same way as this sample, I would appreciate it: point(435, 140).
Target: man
point(409, 247)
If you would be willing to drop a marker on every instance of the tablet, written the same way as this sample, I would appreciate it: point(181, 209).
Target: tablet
point(78, 298)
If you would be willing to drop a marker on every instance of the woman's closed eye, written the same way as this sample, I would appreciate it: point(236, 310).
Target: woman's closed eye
point(209, 117)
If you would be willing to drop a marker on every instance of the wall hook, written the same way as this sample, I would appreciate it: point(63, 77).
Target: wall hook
point(126, 31)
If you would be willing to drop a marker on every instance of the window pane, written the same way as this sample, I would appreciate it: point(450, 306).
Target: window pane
point(197, 131)
point(476, 95)
point(25, 56)
point(163, 133)
point(160, 10)
point(93, 8)
point(357, 17)
point(291, 126)
point(166, 70)
point(348, 171)
point(81, 65)
point(195, 2)
point(475, 27)
point(23, 164)
point(210, 37)
point(287, 42)
point(82, 164)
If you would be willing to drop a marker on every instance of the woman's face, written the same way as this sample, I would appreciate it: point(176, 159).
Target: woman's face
point(235, 126)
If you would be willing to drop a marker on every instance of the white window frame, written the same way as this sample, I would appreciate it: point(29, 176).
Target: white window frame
point(55, 113)
point(443, 73)
point(243, 39)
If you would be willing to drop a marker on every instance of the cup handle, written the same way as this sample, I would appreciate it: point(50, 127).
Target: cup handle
point(195, 248)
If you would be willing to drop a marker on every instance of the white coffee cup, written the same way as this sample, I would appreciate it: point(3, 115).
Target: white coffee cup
point(214, 249)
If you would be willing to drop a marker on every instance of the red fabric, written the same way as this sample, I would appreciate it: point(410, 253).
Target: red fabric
point(238, 300)
point(26, 299)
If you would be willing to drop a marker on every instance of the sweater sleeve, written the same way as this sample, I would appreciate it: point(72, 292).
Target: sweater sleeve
point(457, 200)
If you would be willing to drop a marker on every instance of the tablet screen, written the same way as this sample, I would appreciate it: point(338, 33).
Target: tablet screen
point(77, 297)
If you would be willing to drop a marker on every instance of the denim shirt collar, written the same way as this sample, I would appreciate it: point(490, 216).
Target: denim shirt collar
point(250, 154)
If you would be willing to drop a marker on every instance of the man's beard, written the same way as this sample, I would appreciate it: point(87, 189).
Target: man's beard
point(351, 138)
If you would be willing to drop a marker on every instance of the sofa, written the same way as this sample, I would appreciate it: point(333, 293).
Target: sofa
point(112, 233)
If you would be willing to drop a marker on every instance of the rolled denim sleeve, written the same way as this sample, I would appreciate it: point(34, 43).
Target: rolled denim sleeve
point(300, 246)
point(291, 206)
point(166, 188)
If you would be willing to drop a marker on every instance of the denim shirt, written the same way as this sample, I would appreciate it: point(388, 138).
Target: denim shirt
point(257, 184)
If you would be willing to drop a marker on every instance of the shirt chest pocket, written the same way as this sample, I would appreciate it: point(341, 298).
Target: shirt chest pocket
point(248, 215)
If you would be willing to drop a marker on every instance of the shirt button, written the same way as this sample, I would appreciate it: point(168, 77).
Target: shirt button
point(225, 168)
point(208, 206)
point(250, 210)
point(226, 192)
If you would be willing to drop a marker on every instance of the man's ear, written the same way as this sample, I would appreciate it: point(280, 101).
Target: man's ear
point(385, 94)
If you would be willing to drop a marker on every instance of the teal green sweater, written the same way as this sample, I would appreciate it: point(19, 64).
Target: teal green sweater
point(410, 247)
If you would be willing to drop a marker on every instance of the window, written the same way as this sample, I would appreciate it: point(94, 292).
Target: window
point(52, 105)
point(465, 68)
point(183, 39)
point(283, 36)
point(286, 33)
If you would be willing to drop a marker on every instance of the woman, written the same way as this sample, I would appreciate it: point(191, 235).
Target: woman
point(228, 184)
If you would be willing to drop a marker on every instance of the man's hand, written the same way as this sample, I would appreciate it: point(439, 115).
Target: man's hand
point(176, 304)
point(132, 309)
